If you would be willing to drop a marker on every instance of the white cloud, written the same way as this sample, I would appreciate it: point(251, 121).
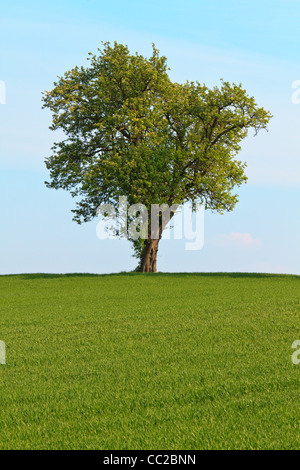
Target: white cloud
point(237, 239)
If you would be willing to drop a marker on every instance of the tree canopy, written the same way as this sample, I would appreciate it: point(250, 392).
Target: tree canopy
point(131, 131)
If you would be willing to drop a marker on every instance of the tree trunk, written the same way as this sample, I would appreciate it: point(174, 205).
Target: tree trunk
point(149, 257)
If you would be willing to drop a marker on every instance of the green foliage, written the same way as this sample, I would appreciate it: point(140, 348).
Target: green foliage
point(132, 132)
point(165, 361)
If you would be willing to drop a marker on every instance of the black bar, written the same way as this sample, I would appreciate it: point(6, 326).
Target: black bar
point(93, 459)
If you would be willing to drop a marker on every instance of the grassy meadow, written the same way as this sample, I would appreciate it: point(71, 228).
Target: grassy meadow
point(149, 361)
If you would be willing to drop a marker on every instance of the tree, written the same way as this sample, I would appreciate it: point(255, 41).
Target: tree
point(131, 131)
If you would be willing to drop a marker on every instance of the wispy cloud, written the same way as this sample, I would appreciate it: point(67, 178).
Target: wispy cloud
point(266, 267)
point(237, 239)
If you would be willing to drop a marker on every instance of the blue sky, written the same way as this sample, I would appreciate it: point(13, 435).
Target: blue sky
point(255, 43)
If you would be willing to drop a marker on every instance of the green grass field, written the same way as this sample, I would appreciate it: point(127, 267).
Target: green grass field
point(163, 361)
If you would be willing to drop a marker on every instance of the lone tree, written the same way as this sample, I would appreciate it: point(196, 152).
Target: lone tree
point(131, 131)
